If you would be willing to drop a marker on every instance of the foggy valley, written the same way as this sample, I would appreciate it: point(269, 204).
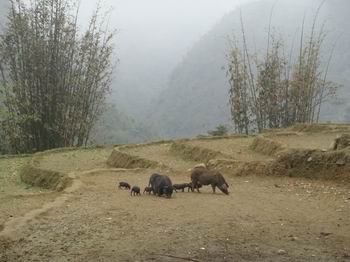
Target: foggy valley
point(172, 80)
point(159, 85)
point(170, 61)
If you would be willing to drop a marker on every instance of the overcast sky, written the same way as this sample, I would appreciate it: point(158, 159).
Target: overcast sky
point(153, 37)
point(164, 20)
point(161, 29)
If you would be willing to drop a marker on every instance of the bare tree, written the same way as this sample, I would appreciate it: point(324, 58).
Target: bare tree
point(273, 92)
point(238, 92)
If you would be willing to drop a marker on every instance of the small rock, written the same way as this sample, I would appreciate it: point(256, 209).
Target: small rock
point(281, 252)
point(294, 238)
point(309, 159)
point(340, 163)
point(325, 234)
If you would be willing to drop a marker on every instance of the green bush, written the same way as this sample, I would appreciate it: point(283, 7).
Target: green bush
point(220, 130)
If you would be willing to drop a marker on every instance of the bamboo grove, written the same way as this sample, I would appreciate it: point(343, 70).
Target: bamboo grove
point(273, 91)
point(54, 78)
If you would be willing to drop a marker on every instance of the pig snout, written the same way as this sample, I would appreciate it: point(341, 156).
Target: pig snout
point(224, 189)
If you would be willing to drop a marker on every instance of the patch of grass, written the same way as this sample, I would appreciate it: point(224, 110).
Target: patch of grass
point(73, 160)
point(267, 146)
point(44, 178)
point(120, 159)
point(9, 172)
point(195, 153)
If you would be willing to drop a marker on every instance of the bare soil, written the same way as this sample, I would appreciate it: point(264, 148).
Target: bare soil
point(263, 219)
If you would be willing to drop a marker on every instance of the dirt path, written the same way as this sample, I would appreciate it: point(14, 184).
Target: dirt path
point(17, 198)
point(265, 219)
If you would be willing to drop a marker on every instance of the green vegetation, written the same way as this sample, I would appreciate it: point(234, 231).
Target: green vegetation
point(115, 127)
point(55, 78)
point(9, 172)
point(220, 130)
point(271, 91)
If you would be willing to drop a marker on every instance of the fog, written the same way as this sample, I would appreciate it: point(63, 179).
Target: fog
point(152, 38)
point(169, 53)
point(161, 30)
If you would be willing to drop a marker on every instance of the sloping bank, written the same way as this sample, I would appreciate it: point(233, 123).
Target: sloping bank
point(44, 178)
point(119, 159)
point(32, 174)
point(195, 153)
point(216, 159)
point(333, 164)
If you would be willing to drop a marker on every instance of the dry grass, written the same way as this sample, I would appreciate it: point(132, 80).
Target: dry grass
point(120, 159)
point(267, 146)
point(195, 153)
point(44, 178)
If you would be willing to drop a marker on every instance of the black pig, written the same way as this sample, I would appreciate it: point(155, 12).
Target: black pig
point(148, 190)
point(124, 185)
point(182, 187)
point(161, 185)
point(204, 176)
point(152, 179)
point(135, 190)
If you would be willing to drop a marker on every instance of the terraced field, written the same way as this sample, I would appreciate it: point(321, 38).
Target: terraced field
point(237, 148)
point(265, 218)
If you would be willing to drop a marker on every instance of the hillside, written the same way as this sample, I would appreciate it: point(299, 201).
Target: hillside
point(117, 127)
point(196, 98)
point(289, 200)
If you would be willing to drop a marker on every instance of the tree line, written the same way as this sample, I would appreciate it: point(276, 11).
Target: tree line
point(53, 78)
point(276, 90)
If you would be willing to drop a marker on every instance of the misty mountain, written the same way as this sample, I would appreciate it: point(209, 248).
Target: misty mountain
point(151, 40)
point(196, 98)
point(117, 127)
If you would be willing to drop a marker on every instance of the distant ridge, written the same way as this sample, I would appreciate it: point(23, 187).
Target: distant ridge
point(196, 99)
